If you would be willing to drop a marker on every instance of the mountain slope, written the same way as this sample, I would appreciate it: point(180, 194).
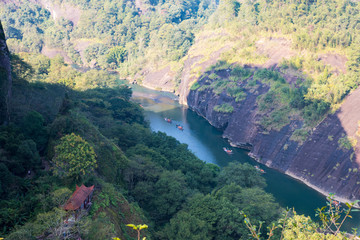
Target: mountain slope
point(5, 78)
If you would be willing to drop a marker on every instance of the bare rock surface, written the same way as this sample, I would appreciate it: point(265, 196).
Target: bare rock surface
point(160, 80)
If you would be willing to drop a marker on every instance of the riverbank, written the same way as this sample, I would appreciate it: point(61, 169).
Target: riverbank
point(307, 183)
point(323, 192)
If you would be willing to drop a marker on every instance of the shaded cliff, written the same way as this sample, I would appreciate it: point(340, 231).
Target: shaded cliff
point(5, 78)
point(325, 160)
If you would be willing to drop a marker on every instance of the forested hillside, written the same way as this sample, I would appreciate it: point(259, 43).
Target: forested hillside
point(129, 36)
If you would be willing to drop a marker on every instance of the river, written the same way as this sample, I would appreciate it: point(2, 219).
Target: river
point(206, 143)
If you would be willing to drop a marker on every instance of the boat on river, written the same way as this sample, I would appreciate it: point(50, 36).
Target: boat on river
point(168, 120)
point(178, 126)
point(228, 151)
point(259, 169)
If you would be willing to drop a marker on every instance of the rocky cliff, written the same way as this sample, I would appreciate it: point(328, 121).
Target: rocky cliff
point(5, 78)
point(321, 161)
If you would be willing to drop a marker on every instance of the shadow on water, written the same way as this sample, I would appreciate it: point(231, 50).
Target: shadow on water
point(206, 142)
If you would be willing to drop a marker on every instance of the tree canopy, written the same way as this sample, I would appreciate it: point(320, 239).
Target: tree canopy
point(74, 157)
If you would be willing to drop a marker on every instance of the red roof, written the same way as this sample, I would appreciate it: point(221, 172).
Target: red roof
point(78, 197)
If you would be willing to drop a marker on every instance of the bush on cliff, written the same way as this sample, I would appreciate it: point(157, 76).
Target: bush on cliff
point(224, 108)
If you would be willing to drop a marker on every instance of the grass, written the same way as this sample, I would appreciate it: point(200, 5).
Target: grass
point(300, 135)
point(237, 93)
point(219, 86)
point(244, 55)
point(196, 72)
point(204, 87)
point(208, 42)
point(224, 108)
point(240, 73)
point(195, 86)
point(277, 119)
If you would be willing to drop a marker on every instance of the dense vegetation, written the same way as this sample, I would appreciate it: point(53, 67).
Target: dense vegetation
point(140, 176)
point(110, 34)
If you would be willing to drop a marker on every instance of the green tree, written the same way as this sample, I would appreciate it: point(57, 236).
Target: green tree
point(117, 55)
point(220, 215)
point(186, 226)
point(243, 175)
point(74, 157)
point(33, 127)
point(248, 199)
point(170, 193)
point(59, 196)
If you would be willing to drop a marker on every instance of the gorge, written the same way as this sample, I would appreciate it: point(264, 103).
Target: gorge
point(276, 78)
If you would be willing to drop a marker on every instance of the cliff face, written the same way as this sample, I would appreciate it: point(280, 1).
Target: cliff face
point(5, 78)
point(321, 161)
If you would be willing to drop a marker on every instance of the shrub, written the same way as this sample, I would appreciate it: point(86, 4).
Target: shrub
point(213, 76)
point(264, 74)
point(241, 72)
point(299, 135)
point(277, 119)
point(219, 86)
point(237, 93)
point(221, 65)
point(195, 86)
point(347, 143)
point(224, 108)
point(314, 111)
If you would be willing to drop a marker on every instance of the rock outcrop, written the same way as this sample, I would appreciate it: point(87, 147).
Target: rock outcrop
point(5, 78)
point(321, 161)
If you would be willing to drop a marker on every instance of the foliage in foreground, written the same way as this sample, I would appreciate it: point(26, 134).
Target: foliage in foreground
point(294, 226)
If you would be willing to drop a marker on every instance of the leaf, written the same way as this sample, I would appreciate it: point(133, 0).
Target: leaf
point(144, 226)
point(132, 225)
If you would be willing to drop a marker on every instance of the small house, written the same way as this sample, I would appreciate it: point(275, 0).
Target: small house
point(80, 199)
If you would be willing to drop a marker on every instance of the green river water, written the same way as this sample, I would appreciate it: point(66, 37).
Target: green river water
point(206, 142)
